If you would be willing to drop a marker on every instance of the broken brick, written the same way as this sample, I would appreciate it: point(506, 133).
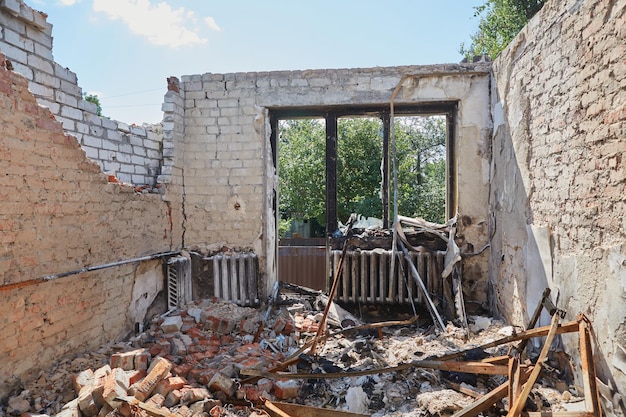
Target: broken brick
point(115, 386)
point(167, 385)
point(221, 382)
point(136, 376)
point(265, 385)
point(83, 378)
point(285, 389)
point(125, 360)
point(160, 367)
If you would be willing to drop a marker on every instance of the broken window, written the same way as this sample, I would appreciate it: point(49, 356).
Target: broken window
point(353, 165)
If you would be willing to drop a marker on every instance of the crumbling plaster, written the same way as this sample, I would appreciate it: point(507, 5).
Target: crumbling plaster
point(558, 197)
point(230, 179)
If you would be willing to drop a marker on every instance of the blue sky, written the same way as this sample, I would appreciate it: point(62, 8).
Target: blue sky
point(123, 50)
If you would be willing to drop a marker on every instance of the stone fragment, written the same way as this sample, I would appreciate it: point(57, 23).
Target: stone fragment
point(18, 405)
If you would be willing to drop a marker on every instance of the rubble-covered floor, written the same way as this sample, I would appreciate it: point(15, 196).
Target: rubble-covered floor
point(206, 348)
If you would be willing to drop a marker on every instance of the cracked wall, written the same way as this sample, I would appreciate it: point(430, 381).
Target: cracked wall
point(60, 214)
point(229, 175)
point(558, 194)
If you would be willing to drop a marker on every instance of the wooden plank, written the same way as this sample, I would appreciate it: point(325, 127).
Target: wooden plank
point(514, 379)
point(465, 367)
point(296, 410)
point(488, 400)
point(484, 403)
point(516, 408)
point(569, 327)
point(534, 319)
point(592, 395)
point(548, 413)
point(497, 360)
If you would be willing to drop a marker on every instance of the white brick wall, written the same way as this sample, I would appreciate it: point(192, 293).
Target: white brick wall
point(26, 40)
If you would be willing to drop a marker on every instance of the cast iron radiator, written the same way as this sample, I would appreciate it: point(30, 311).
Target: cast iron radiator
point(366, 277)
point(235, 277)
point(179, 290)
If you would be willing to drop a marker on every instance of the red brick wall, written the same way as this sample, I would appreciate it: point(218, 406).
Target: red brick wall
point(59, 214)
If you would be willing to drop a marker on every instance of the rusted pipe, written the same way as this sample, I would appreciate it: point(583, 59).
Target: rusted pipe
point(47, 278)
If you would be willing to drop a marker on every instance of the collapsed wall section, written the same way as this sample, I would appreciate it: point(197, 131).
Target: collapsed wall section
point(559, 172)
point(229, 175)
point(133, 153)
point(59, 214)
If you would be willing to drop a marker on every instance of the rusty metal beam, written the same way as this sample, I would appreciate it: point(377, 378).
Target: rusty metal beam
point(331, 173)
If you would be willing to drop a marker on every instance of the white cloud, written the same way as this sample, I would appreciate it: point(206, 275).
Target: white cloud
point(211, 23)
point(160, 24)
point(68, 2)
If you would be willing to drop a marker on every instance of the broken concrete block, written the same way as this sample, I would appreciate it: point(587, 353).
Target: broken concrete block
point(172, 324)
point(83, 378)
point(285, 389)
point(223, 383)
point(196, 313)
point(160, 367)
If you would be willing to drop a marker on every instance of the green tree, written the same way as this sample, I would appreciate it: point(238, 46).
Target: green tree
point(302, 168)
point(421, 153)
point(359, 156)
point(500, 21)
point(93, 98)
point(421, 156)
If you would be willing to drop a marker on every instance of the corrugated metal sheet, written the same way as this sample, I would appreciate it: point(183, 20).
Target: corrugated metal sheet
point(303, 265)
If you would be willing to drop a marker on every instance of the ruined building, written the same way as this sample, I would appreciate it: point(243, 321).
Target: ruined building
point(537, 163)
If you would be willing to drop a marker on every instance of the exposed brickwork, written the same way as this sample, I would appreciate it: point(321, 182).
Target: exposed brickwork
point(229, 176)
point(133, 153)
point(560, 168)
point(59, 214)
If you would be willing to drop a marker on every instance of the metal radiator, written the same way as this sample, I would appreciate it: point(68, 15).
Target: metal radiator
point(235, 278)
point(179, 290)
point(366, 277)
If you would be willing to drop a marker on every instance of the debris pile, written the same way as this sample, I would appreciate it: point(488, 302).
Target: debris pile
point(214, 358)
